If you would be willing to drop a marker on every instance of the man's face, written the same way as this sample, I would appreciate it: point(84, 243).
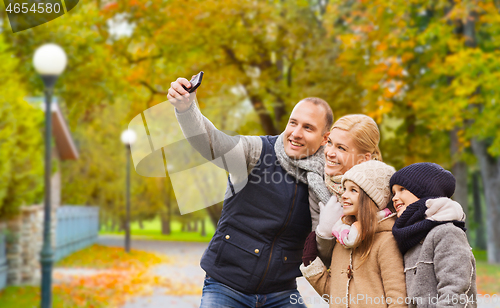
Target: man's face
point(305, 131)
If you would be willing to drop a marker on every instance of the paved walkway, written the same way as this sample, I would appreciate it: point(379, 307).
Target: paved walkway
point(186, 273)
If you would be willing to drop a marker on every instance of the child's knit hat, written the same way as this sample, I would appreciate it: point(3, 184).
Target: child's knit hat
point(373, 178)
point(425, 180)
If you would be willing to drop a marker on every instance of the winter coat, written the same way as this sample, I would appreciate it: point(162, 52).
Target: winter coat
point(378, 282)
point(441, 270)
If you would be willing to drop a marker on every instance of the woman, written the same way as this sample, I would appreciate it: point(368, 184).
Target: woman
point(353, 139)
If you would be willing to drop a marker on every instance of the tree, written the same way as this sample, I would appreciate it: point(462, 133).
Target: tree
point(21, 146)
point(434, 65)
point(264, 57)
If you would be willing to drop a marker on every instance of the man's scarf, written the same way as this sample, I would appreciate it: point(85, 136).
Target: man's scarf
point(308, 170)
point(334, 185)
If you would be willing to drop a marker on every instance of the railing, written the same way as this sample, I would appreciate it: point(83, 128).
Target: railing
point(3, 262)
point(77, 228)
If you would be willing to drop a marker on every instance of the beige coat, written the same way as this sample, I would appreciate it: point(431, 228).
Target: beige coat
point(378, 282)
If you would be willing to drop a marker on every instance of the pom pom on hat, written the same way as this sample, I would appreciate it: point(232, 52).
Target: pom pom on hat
point(373, 178)
point(425, 180)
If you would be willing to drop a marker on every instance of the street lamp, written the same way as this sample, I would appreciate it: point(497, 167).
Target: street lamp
point(128, 137)
point(49, 61)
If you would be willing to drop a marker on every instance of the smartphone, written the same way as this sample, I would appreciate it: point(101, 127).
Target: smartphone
point(195, 82)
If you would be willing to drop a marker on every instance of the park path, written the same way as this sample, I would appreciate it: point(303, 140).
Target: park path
point(185, 271)
point(187, 274)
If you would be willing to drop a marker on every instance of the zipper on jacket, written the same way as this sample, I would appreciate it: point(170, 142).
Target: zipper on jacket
point(276, 237)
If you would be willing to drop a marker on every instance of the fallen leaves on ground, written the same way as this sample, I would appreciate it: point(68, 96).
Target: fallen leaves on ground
point(120, 277)
point(103, 257)
point(488, 278)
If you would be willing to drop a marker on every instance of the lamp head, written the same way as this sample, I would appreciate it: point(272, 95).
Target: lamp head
point(128, 137)
point(50, 59)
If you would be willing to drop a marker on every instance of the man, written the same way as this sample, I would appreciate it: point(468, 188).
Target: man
point(254, 257)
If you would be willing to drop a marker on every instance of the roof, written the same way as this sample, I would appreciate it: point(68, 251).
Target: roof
point(65, 144)
point(64, 141)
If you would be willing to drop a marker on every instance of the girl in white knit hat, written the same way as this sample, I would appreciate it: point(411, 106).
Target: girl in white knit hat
point(367, 267)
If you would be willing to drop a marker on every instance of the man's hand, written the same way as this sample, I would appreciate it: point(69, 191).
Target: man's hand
point(179, 97)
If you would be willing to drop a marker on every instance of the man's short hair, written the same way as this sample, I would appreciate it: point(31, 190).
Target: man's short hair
point(328, 111)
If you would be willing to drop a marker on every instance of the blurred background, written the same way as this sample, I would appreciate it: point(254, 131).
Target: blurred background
point(427, 71)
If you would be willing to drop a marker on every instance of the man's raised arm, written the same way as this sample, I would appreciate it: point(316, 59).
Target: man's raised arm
point(205, 137)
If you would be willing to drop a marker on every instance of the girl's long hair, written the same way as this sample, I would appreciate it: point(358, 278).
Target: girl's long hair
point(368, 221)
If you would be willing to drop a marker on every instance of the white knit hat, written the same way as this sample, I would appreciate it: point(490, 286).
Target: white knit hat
point(373, 178)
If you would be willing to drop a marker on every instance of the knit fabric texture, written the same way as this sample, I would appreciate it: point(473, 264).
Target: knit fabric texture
point(308, 170)
point(412, 227)
point(373, 178)
point(425, 180)
point(334, 184)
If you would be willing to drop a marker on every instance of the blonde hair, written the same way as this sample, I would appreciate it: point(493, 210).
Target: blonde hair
point(364, 131)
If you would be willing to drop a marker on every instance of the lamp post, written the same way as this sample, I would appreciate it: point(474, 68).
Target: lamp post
point(49, 61)
point(128, 137)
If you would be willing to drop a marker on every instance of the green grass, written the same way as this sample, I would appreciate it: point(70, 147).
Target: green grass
point(152, 231)
point(480, 255)
point(26, 297)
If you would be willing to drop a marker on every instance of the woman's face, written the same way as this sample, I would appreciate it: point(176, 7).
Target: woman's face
point(341, 154)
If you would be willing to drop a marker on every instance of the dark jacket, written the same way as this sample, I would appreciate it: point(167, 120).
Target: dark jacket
point(257, 246)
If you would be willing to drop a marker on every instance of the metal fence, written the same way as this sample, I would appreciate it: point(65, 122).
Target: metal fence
point(3, 262)
point(77, 228)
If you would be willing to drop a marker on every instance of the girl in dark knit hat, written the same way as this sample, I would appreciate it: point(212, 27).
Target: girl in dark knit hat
point(440, 268)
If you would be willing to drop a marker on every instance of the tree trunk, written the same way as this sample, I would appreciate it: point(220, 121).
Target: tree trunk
point(121, 226)
point(214, 213)
point(490, 171)
point(141, 225)
point(165, 224)
point(264, 116)
point(459, 170)
point(166, 216)
point(203, 231)
point(279, 112)
point(478, 213)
